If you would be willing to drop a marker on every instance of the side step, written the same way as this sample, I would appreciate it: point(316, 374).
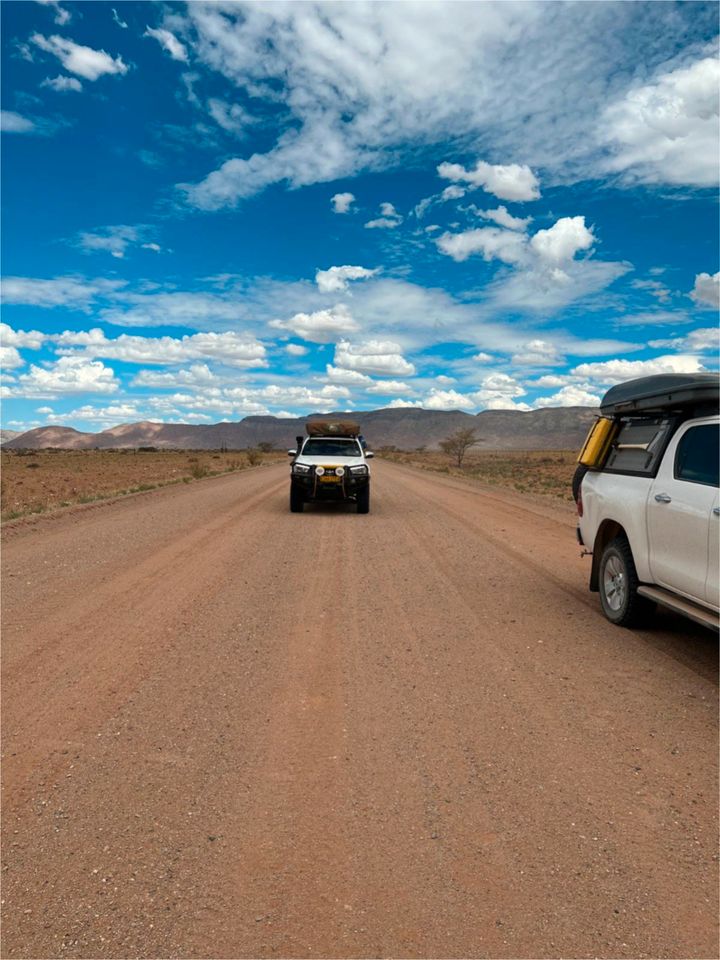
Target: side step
point(708, 618)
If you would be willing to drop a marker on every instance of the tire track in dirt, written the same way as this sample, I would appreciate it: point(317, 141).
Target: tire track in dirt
point(89, 659)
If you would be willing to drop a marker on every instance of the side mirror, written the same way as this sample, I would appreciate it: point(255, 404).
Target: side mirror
point(292, 453)
point(369, 454)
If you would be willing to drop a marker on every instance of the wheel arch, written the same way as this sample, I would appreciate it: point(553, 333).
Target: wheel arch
point(608, 530)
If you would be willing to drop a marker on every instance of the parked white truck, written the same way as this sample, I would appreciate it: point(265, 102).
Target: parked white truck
point(647, 498)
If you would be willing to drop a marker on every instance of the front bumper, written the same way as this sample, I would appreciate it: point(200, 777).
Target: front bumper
point(313, 488)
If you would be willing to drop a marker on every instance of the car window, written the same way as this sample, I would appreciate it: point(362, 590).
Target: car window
point(696, 459)
point(322, 447)
point(639, 444)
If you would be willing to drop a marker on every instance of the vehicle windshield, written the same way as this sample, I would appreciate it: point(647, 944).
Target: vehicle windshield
point(322, 447)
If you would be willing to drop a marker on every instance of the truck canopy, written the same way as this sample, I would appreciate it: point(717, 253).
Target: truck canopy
point(664, 392)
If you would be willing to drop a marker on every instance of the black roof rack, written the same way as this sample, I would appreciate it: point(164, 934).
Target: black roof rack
point(663, 392)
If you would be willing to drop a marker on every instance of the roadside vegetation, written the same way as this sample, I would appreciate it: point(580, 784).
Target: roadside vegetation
point(458, 444)
point(544, 472)
point(35, 481)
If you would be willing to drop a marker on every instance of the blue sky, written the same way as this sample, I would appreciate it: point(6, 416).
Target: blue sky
point(213, 210)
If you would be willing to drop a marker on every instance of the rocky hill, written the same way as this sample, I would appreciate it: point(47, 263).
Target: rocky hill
point(6, 435)
point(562, 428)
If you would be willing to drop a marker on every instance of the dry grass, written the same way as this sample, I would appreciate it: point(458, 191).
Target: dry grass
point(42, 480)
point(545, 472)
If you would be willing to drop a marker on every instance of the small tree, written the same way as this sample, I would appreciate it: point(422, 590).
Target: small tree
point(458, 444)
point(265, 446)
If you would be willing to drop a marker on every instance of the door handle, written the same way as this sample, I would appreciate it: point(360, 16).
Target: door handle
point(663, 498)
point(716, 511)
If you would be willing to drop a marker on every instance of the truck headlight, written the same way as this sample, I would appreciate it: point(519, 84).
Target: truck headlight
point(360, 470)
point(300, 468)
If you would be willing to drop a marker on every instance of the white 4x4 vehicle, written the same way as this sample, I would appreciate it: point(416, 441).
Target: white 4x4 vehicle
point(647, 498)
point(330, 464)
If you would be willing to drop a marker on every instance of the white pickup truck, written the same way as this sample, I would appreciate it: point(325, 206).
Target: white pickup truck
point(647, 499)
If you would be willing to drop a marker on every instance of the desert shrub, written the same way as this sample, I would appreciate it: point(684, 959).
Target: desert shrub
point(459, 443)
point(254, 457)
point(32, 466)
point(198, 470)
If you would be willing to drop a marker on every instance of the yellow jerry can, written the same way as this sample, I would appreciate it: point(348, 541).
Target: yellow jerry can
point(598, 441)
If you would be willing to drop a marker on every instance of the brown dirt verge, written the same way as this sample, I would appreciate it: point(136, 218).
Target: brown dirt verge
point(36, 481)
point(537, 472)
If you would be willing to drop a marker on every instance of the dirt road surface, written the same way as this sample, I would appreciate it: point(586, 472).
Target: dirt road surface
point(232, 731)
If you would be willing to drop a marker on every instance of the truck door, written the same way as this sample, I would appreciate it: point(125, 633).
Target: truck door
point(712, 590)
point(680, 510)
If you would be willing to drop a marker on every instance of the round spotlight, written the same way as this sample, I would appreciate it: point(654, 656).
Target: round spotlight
point(319, 471)
point(339, 471)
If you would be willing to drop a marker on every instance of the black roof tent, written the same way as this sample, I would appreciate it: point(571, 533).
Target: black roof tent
point(663, 392)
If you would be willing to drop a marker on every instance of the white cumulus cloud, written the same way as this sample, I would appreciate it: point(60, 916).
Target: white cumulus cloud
point(511, 181)
point(563, 240)
point(707, 338)
point(617, 371)
point(62, 84)
point(29, 339)
point(233, 349)
point(342, 202)
point(492, 242)
point(381, 357)
point(706, 290)
point(68, 375)
point(537, 353)
point(503, 218)
point(336, 279)
point(348, 378)
point(388, 220)
point(169, 42)
point(386, 387)
point(497, 392)
point(447, 400)
point(667, 131)
point(572, 395)
point(322, 326)
point(10, 359)
point(82, 61)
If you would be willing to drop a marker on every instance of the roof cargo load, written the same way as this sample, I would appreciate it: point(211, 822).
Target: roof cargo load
point(663, 392)
point(332, 428)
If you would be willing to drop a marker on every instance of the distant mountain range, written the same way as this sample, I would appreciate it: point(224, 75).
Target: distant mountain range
point(6, 435)
point(407, 428)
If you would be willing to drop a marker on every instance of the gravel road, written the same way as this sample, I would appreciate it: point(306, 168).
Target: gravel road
point(231, 731)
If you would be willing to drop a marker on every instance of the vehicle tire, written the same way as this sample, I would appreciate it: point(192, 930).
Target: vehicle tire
point(577, 480)
point(363, 499)
point(618, 583)
point(297, 500)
